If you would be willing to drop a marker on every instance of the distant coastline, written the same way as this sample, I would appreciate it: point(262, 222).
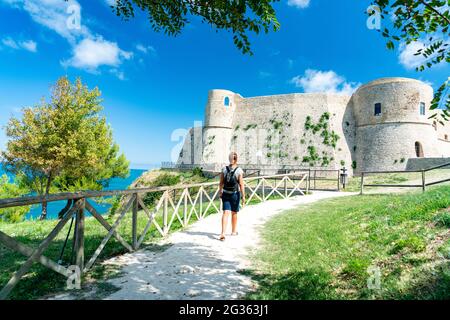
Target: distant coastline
point(115, 184)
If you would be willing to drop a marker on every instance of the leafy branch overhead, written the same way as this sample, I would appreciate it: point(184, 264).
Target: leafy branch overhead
point(424, 21)
point(240, 17)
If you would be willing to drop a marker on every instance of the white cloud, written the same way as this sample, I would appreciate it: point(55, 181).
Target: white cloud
point(89, 54)
point(146, 49)
point(290, 63)
point(264, 74)
point(301, 4)
point(52, 14)
point(28, 45)
point(324, 81)
point(89, 50)
point(9, 42)
point(407, 56)
point(119, 74)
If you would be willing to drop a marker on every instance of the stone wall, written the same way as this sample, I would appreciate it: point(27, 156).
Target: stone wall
point(271, 130)
point(279, 130)
point(386, 141)
point(426, 163)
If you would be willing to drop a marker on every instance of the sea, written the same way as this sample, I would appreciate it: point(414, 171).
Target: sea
point(102, 208)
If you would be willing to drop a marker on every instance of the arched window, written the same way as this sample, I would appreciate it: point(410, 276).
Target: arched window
point(422, 108)
point(226, 102)
point(377, 111)
point(419, 150)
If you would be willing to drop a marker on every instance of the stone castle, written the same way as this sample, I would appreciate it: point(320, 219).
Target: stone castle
point(384, 125)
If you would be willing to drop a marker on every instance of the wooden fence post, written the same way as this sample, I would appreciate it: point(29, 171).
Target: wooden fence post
point(315, 173)
point(285, 183)
point(166, 212)
point(185, 208)
point(424, 186)
point(307, 184)
point(309, 178)
point(79, 235)
point(362, 182)
point(201, 202)
point(264, 189)
point(338, 182)
point(134, 222)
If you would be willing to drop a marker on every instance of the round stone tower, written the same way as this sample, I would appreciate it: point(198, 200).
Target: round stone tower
point(218, 128)
point(392, 124)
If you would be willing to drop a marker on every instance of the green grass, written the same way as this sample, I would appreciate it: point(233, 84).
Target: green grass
point(41, 281)
point(324, 250)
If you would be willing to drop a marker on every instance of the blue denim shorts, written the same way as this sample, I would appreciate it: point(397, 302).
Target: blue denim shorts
point(231, 201)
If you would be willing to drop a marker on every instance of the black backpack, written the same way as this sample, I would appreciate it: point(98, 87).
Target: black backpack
point(230, 181)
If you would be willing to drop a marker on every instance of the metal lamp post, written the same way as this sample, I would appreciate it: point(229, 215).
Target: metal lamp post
point(344, 177)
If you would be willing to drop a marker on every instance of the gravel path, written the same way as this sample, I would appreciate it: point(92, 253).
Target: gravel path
point(196, 265)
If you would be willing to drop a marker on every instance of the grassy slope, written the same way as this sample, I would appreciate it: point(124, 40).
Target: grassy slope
point(322, 251)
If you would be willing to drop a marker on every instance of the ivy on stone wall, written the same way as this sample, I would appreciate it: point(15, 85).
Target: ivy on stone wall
point(330, 139)
point(250, 126)
point(211, 140)
point(278, 126)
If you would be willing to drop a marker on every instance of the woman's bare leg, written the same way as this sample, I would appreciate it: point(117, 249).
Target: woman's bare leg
point(234, 222)
point(225, 216)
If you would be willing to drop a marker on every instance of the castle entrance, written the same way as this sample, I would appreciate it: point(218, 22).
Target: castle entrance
point(419, 150)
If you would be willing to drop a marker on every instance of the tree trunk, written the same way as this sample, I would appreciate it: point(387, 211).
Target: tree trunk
point(44, 203)
point(64, 210)
point(44, 211)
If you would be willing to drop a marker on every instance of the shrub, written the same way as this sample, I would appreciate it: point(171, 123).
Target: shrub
point(115, 204)
point(162, 180)
point(413, 243)
point(356, 268)
point(198, 172)
point(12, 190)
point(443, 219)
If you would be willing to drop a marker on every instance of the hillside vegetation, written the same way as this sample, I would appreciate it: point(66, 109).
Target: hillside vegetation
point(332, 249)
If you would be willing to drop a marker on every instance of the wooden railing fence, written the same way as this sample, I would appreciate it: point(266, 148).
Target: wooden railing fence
point(193, 200)
point(422, 184)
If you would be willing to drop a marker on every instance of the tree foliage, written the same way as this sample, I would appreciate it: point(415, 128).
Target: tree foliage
point(236, 16)
point(63, 143)
point(12, 190)
point(425, 21)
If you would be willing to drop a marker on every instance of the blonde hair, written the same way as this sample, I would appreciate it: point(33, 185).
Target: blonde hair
point(233, 157)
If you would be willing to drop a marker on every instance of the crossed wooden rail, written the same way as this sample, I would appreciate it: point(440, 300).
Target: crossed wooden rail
point(422, 185)
point(196, 199)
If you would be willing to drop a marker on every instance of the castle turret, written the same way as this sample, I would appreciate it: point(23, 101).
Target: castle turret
point(392, 124)
point(218, 129)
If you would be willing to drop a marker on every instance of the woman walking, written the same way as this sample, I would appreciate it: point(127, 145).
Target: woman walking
point(231, 190)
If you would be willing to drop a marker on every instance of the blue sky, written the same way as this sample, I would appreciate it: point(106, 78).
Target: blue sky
point(153, 84)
